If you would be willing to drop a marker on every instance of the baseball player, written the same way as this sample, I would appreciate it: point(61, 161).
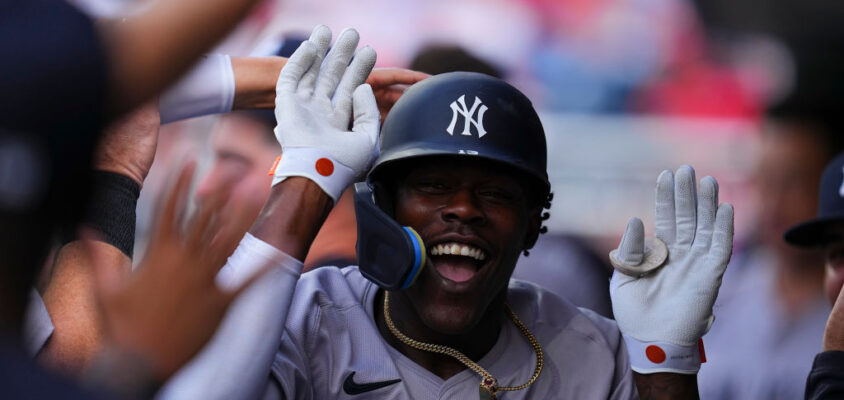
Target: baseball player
point(826, 232)
point(456, 194)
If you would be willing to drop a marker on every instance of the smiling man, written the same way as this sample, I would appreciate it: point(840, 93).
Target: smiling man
point(456, 194)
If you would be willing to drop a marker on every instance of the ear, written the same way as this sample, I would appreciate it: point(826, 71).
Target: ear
point(534, 227)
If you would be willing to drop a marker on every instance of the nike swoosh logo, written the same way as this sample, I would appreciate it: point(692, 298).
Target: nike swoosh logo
point(352, 387)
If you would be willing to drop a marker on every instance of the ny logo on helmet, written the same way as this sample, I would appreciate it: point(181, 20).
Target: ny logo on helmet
point(459, 108)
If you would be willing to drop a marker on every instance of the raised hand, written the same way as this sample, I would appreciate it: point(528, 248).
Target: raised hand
point(317, 102)
point(169, 309)
point(664, 313)
point(389, 84)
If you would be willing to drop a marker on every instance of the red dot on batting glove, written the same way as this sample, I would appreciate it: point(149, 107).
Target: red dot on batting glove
point(324, 167)
point(655, 354)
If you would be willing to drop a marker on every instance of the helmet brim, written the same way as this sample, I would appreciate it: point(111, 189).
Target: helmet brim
point(815, 232)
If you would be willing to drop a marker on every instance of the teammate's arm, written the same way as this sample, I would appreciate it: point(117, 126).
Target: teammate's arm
point(121, 162)
point(255, 79)
point(219, 84)
point(316, 102)
point(148, 51)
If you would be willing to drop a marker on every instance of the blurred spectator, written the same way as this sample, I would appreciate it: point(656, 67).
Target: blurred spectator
point(244, 148)
point(692, 80)
point(811, 32)
point(771, 309)
point(593, 54)
point(826, 233)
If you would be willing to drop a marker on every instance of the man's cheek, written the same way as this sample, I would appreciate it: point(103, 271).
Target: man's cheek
point(254, 189)
point(833, 282)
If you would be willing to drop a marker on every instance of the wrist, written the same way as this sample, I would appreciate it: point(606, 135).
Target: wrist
point(134, 176)
point(111, 210)
point(316, 165)
point(292, 216)
point(654, 356)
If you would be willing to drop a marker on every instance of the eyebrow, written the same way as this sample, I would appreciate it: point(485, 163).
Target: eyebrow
point(230, 155)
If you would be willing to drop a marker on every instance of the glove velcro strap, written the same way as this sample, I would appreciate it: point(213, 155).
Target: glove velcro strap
point(316, 165)
point(653, 357)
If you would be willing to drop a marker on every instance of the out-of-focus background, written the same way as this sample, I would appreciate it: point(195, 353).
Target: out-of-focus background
point(744, 90)
point(626, 88)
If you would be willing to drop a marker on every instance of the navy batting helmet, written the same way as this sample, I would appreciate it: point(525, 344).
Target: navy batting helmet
point(460, 114)
point(465, 114)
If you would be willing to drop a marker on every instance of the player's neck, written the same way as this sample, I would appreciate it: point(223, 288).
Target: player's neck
point(473, 344)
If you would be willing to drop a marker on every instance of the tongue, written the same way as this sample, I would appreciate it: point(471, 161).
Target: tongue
point(457, 272)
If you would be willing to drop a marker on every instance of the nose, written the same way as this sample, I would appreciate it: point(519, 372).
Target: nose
point(209, 183)
point(463, 207)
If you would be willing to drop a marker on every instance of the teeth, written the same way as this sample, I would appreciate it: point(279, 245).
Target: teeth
point(458, 249)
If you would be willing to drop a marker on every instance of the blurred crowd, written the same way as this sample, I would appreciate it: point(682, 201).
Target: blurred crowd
point(171, 104)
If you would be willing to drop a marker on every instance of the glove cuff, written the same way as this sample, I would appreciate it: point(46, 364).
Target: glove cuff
point(316, 165)
point(653, 357)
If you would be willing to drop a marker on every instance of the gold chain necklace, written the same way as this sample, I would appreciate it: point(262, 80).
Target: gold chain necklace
point(489, 386)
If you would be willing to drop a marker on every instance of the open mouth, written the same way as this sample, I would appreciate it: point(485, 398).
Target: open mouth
point(458, 262)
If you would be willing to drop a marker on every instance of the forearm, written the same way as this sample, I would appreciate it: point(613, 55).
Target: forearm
point(255, 79)
point(219, 84)
point(292, 216)
point(70, 297)
point(71, 303)
point(238, 358)
point(666, 386)
point(150, 50)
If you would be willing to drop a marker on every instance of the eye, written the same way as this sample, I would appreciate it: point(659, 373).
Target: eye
point(835, 256)
point(431, 186)
point(499, 194)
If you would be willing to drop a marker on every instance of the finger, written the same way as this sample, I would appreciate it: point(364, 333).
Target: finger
point(388, 96)
point(381, 77)
point(295, 68)
point(227, 237)
point(722, 236)
point(174, 207)
point(665, 223)
point(685, 205)
point(321, 37)
point(354, 76)
point(336, 62)
point(631, 251)
point(707, 206)
point(367, 117)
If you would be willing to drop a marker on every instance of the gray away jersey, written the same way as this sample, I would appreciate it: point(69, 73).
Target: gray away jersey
point(331, 333)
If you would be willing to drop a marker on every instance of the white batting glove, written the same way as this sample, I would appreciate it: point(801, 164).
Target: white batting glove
point(314, 104)
point(663, 315)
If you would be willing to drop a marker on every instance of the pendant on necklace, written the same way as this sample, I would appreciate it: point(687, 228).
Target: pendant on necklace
point(488, 389)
